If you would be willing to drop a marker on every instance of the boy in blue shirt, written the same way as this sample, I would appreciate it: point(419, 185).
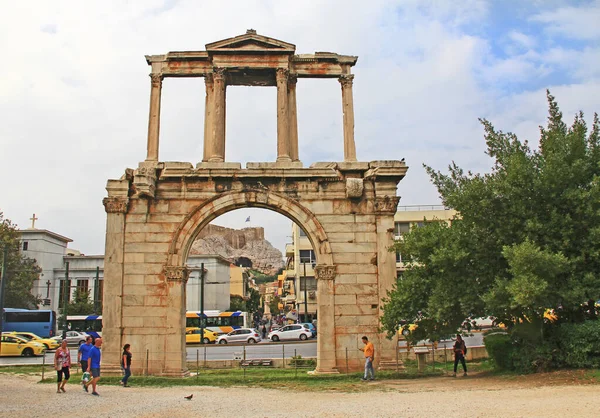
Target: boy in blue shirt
point(84, 353)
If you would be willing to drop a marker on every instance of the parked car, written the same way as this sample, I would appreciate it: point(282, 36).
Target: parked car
point(242, 335)
point(73, 337)
point(290, 332)
point(50, 343)
point(13, 345)
point(192, 336)
point(311, 328)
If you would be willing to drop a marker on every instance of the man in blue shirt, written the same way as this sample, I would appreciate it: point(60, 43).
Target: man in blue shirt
point(84, 353)
point(94, 366)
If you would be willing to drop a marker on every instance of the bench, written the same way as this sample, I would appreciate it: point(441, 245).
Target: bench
point(254, 363)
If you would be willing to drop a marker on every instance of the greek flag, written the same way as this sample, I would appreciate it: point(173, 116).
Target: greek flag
point(248, 219)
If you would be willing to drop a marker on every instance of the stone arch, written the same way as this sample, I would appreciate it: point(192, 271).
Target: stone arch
point(203, 214)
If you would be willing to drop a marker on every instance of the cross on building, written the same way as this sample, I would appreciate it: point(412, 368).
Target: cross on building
point(33, 221)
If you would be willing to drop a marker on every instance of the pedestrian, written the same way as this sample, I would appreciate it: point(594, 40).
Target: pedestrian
point(369, 351)
point(264, 332)
point(460, 350)
point(126, 364)
point(62, 365)
point(84, 353)
point(94, 361)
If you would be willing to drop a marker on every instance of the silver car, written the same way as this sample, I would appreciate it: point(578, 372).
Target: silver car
point(242, 335)
point(73, 337)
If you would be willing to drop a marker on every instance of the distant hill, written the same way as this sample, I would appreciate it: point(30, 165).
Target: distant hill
point(246, 247)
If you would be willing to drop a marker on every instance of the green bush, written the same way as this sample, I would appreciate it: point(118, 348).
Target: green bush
point(499, 347)
point(298, 361)
point(579, 345)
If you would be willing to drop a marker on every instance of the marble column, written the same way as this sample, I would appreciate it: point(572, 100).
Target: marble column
point(218, 123)
point(112, 312)
point(154, 118)
point(208, 117)
point(283, 122)
point(326, 343)
point(348, 109)
point(293, 117)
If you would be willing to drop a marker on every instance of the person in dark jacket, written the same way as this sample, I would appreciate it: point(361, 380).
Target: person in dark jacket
point(460, 349)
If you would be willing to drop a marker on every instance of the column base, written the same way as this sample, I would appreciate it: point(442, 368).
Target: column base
point(317, 372)
point(277, 164)
point(207, 165)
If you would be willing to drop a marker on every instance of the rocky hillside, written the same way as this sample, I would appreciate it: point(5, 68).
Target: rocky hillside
point(246, 245)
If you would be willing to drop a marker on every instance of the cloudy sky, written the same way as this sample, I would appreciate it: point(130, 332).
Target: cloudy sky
point(74, 91)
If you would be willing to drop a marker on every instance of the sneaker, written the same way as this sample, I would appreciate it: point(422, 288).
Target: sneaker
point(95, 394)
point(363, 379)
point(85, 388)
point(465, 374)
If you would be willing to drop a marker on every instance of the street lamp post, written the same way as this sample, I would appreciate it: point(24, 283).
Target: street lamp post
point(202, 303)
point(305, 296)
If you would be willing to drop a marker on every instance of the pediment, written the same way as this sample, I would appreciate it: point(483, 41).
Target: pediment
point(250, 41)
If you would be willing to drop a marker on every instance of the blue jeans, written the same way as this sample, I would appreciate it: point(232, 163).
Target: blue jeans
point(369, 368)
point(127, 371)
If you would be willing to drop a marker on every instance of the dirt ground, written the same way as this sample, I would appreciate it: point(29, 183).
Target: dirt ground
point(561, 394)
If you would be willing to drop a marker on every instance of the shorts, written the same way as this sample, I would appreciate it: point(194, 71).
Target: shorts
point(59, 374)
point(95, 372)
point(84, 365)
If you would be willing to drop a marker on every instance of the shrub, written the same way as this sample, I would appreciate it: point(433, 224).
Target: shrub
point(579, 345)
point(298, 361)
point(499, 347)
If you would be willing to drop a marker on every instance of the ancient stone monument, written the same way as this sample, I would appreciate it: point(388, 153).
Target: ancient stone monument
point(155, 212)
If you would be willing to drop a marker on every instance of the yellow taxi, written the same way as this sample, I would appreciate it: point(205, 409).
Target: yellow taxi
point(48, 342)
point(192, 336)
point(17, 346)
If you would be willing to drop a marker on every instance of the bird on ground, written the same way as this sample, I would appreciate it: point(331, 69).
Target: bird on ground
point(189, 398)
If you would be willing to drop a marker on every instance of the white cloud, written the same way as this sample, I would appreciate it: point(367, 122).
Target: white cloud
point(574, 22)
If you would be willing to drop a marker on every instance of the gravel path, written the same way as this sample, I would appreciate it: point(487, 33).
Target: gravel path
point(472, 397)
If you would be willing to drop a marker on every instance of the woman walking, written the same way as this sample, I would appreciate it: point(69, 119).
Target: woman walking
point(460, 349)
point(62, 365)
point(126, 364)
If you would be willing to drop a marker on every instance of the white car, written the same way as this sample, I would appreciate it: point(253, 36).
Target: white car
point(290, 332)
point(242, 335)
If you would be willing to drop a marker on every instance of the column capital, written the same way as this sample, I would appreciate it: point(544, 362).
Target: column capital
point(282, 74)
point(156, 79)
point(218, 74)
point(325, 272)
point(292, 79)
point(346, 80)
point(386, 204)
point(177, 274)
point(115, 204)
point(209, 79)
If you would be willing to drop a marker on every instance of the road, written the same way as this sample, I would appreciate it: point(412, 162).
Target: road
point(262, 350)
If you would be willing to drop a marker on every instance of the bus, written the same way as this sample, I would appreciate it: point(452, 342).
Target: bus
point(90, 324)
point(217, 321)
point(40, 322)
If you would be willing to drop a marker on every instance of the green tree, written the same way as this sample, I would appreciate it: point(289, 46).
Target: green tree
point(526, 238)
point(21, 271)
point(79, 305)
point(237, 303)
point(253, 302)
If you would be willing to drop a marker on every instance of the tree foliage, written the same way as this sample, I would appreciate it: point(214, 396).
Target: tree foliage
point(527, 237)
point(21, 271)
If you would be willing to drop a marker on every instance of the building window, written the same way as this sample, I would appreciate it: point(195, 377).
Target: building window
point(398, 257)
point(309, 282)
point(401, 228)
point(419, 224)
point(307, 256)
point(83, 285)
point(65, 286)
point(25, 245)
point(100, 291)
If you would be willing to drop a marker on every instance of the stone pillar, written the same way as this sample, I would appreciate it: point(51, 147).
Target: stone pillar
point(175, 365)
point(112, 311)
point(218, 124)
point(293, 117)
point(283, 122)
point(209, 139)
point(385, 208)
point(154, 117)
point(326, 353)
point(348, 109)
